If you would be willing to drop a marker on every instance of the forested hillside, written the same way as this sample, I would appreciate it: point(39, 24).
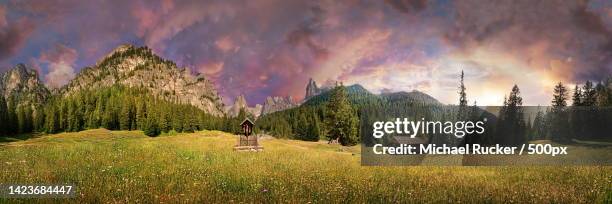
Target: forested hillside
point(114, 108)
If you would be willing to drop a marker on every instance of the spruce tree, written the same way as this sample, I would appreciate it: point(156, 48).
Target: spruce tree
point(3, 116)
point(315, 129)
point(21, 120)
point(559, 96)
point(341, 120)
point(511, 124)
point(141, 114)
point(125, 119)
point(462, 99)
point(589, 97)
point(12, 116)
point(559, 123)
point(462, 95)
point(164, 126)
point(577, 96)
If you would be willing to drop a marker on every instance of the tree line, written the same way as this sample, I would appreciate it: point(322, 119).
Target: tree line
point(114, 108)
point(331, 115)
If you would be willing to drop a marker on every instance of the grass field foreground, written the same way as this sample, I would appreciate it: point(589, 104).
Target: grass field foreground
point(122, 166)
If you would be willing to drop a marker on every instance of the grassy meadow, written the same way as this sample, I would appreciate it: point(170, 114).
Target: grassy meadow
point(126, 166)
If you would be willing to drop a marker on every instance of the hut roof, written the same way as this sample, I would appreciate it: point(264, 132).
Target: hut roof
point(247, 120)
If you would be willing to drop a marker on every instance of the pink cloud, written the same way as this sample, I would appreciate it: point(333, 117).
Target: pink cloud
point(3, 22)
point(61, 60)
point(13, 36)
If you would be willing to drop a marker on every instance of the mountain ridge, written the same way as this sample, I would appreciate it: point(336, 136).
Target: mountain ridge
point(140, 67)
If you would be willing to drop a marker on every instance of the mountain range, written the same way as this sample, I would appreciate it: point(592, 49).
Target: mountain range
point(141, 68)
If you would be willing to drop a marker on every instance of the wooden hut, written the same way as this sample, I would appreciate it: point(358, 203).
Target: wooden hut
point(247, 142)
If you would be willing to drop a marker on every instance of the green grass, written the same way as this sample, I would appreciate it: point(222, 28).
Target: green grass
point(122, 166)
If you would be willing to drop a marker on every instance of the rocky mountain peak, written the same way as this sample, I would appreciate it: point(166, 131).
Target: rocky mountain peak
point(311, 89)
point(277, 103)
point(24, 85)
point(139, 67)
point(241, 103)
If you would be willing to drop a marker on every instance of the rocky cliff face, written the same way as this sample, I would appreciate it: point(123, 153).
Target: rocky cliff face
point(24, 86)
point(273, 104)
point(256, 110)
point(140, 67)
point(241, 103)
point(311, 89)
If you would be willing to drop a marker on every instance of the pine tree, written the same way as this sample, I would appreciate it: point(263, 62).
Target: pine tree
point(589, 97)
point(539, 126)
point(462, 96)
point(164, 126)
point(601, 95)
point(27, 114)
point(177, 120)
point(141, 114)
point(559, 96)
point(3, 116)
point(559, 123)
point(577, 97)
point(315, 129)
point(188, 122)
point(12, 116)
point(51, 118)
point(341, 120)
point(21, 120)
point(125, 119)
point(38, 119)
point(511, 124)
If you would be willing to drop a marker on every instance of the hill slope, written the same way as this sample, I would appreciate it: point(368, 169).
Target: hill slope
point(140, 67)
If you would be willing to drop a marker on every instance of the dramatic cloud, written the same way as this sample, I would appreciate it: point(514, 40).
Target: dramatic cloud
point(61, 61)
point(12, 34)
point(272, 47)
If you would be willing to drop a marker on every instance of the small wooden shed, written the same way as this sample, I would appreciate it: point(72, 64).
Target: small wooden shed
point(247, 142)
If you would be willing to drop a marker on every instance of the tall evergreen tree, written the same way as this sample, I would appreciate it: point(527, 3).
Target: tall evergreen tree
point(589, 97)
point(601, 98)
point(577, 96)
point(3, 116)
point(559, 123)
point(12, 124)
point(164, 125)
point(462, 96)
point(511, 124)
point(559, 96)
point(126, 114)
point(21, 119)
point(341, 121)
point(141, 114)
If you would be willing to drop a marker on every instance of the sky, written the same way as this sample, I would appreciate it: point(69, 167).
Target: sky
point(263, 48)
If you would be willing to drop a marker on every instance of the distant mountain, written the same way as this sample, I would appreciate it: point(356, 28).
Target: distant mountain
point(241, 103)
point(413, 96)
point(140, 67)
point(24, 86)
point(277, 103)
point(356, 94)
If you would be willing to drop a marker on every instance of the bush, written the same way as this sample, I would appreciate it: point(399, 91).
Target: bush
point(151, 129)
